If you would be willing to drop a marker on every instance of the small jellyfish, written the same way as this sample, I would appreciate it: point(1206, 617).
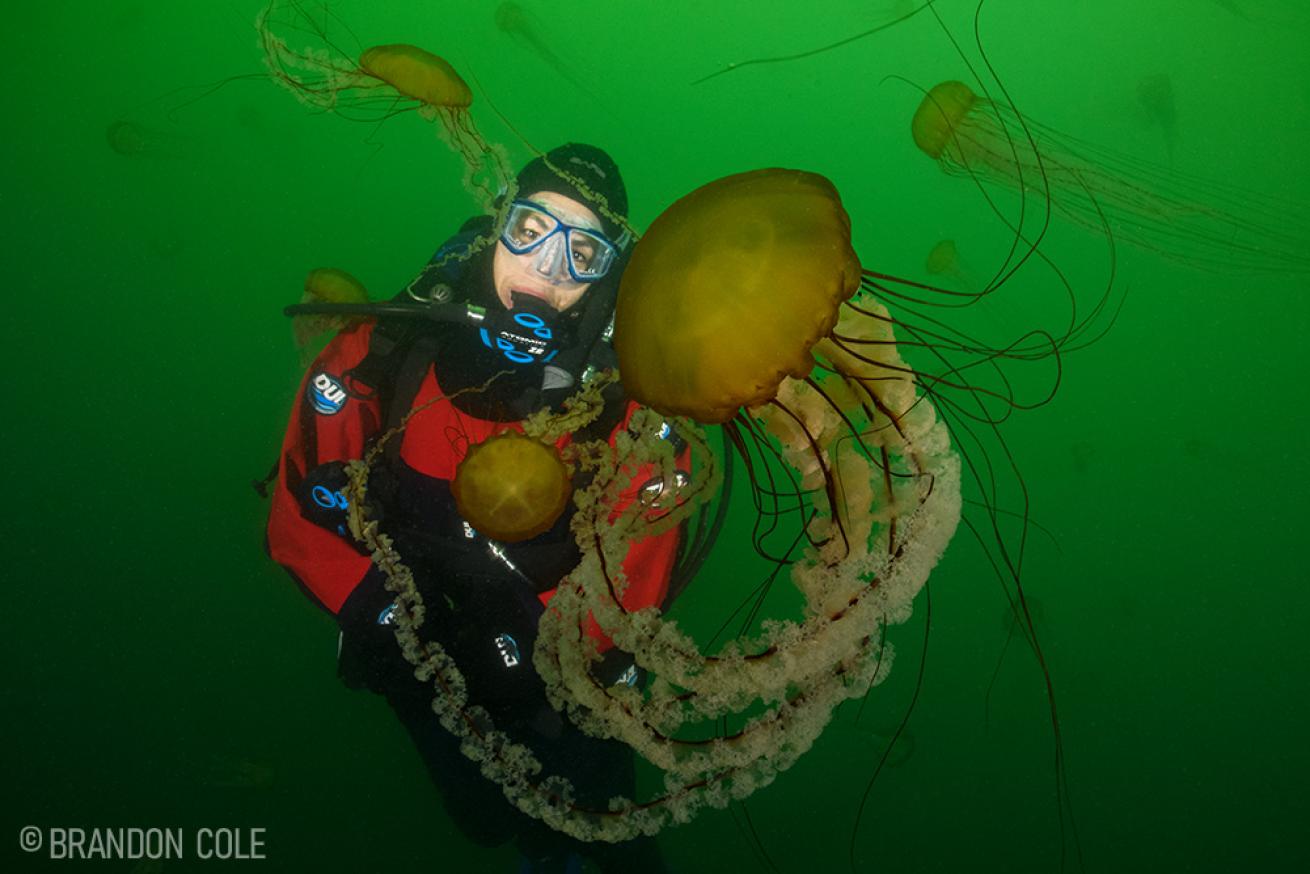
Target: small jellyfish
point(1155, 94)
point(1205, 224)
point(137, 141)
point(511, 487)
point(944, 261)
point(526, 29)
point(326, 285)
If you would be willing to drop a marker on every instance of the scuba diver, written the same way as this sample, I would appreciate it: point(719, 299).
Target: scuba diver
point(491, 338)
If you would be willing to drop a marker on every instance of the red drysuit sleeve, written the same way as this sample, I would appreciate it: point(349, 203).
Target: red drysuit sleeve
point(331, 421)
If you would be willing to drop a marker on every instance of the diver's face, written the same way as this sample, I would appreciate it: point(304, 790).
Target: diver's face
point(527, 274)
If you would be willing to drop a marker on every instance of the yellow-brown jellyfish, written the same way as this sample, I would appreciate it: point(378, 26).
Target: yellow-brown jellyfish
point(511, 487)
point(754, 268)
point(387, 80)
point(744, 305)
point(803, 370)
point(326, 285)
point(1205, 224)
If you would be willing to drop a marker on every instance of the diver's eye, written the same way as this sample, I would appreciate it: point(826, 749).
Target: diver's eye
point(583, 257)
point(530, 227)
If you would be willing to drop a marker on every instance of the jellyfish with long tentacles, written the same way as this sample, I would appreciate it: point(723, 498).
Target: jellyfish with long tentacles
point(390, 80)
point(383, 82)
point(514, 20)
point(870, 470)
point(737, 310)
point(1204, 224)
point(744, 306)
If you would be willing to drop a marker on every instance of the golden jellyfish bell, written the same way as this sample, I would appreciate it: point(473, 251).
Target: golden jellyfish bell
point(728, 291)
point(511, 487)
point(939, 116)
point(417, 73)
point(326, 285)
point(330, 285)
point(943, 259)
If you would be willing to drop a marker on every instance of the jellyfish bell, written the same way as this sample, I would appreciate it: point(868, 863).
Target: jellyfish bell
point(752, 269)
point(138, 141)
point(326, 285)
point(944, 260)
point(1155, 96)
point(511, 487)
point(1205, 224)
point(417, 73)
point(939, 118)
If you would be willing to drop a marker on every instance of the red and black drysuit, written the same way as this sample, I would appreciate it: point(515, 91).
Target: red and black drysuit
point(477, 593)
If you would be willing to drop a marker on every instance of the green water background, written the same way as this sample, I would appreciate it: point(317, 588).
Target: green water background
point(160, 671)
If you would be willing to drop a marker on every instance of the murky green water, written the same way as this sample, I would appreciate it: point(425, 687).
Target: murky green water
point(161, 672)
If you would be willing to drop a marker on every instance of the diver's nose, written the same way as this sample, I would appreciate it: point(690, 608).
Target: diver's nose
point(549, 264)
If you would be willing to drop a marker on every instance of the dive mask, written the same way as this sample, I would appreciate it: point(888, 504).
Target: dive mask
point(563, 251)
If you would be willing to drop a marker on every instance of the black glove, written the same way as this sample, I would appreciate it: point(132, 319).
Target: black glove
point(493, 629)
point(369, 656)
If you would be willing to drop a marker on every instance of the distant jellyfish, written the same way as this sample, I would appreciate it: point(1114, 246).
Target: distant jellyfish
point(1207, 225)
point(944, 261)
point(526, 29)
point(385, 81)
point(1155, 94)
point(326, 285)
point(134, 140)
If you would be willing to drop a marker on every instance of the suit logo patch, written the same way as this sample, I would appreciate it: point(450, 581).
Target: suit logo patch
point(326, 394)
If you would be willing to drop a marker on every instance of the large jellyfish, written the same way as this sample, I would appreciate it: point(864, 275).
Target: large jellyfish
point(806, 378)
point(1205, 224)
point(743, 307)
